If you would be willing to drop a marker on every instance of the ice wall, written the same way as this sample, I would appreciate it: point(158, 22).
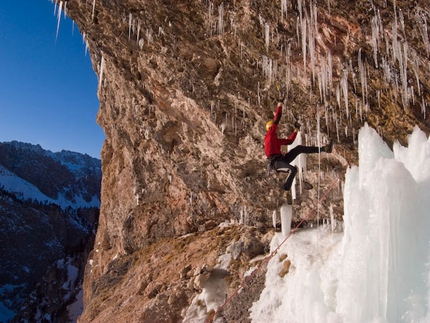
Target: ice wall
point(386, 239)
point(377, 270)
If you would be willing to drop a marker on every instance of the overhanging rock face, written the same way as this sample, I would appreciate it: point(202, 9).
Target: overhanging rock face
point(186, 88)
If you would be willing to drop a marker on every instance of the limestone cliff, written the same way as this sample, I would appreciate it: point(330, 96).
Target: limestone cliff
point(185, 90)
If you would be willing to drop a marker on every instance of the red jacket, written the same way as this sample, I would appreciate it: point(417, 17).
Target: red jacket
point(272, 144)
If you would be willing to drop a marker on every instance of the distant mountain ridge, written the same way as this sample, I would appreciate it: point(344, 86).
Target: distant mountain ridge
point(49, 209)
point(65, 178)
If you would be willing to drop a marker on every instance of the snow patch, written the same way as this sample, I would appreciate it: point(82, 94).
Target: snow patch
point(214, 292)
point(76, 308)
point(24, 190)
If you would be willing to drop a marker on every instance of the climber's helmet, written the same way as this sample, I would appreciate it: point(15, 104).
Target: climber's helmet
point(269, 124)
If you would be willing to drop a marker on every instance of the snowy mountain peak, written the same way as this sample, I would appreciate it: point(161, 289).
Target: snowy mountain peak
point(65, 178)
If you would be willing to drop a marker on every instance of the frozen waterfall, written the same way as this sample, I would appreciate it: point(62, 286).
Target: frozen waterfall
point(377, 269)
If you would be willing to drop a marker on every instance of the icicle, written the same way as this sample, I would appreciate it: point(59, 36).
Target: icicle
point(375, 37)
point(288, 69)
point(224, 123)
point(286, 216)
point(363, 78)
point(293, 190)
point(138, 31)
point(149, 35)
point(58, 19)
point(396, 85)
point(327, 121)
point(387, 70)
point(267, 35)
point(415, 62)
point(330, 72)
point(94, 9)
point(320, 86)
point(130, 21)
point(354, 136)
point(258, 93)
point(396, 46)
point(84, 41)
point(412, 94)
point(221, 19)
point(284, 10)
point(378, 95)
point(213, 116)
point(299, 4)
point(337, 129)
point(359, 109)
point(102, 64)
point(318, 130)
point(403, 67)
point(323, 78)
point(311, 45)
point(313, 30)
point(274, 218)
point(344, 86)
point(420, 19)
point(402, 22)
point(233, 26)
point(338, 94)
point(210, 16)
point(303, 28)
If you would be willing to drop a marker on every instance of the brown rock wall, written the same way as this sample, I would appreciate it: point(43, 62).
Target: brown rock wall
point(186, 88)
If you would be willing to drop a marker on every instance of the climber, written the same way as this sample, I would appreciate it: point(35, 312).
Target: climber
point(272, 145)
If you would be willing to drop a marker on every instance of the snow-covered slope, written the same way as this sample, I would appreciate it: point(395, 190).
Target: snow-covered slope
point(65, 178)
point(19, 187)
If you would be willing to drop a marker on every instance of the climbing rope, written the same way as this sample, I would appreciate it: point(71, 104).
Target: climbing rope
point(273, 253)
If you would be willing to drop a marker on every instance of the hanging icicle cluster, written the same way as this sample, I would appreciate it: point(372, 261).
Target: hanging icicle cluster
point(393, 56)
point(334, 81)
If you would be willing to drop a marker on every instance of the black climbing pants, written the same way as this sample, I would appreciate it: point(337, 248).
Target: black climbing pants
point(281, 163)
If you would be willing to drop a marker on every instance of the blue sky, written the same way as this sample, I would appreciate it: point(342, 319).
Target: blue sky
point(48, 89)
